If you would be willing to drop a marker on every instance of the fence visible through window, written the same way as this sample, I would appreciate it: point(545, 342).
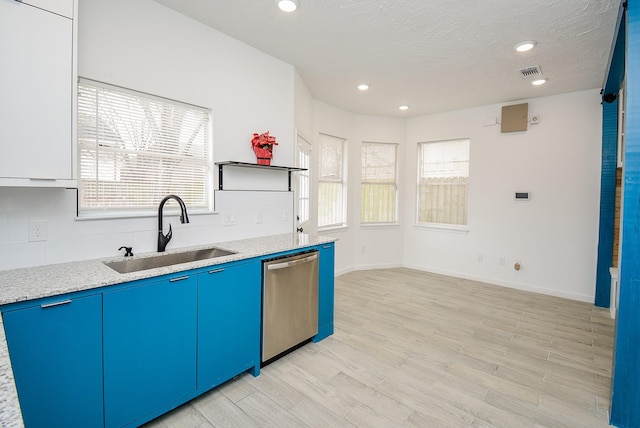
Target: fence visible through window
point(443, 182)
point(443, 200)
point(378, 188)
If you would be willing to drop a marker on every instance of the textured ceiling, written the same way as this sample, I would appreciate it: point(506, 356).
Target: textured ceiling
point(431, 55)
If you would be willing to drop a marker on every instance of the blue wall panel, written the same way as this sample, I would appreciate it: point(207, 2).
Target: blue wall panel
point(625, 401)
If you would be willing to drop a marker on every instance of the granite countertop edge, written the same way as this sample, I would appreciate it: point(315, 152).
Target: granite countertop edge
point(18, 285)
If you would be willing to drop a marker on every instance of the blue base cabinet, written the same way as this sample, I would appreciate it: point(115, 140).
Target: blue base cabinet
point(228, 323)
point(326, 291)
point(122, 355)
point(149, 349)
point(55, 348)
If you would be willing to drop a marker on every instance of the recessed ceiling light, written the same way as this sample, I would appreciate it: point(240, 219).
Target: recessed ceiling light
point(539, 82)
point(403, 108)
point(363, 87)
point(288, 5)
point(525, 46)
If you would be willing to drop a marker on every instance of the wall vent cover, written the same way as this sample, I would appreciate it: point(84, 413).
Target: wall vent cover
point(531, 73)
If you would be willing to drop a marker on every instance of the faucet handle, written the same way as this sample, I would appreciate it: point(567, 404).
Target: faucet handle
point(163, 239)
point(128, 251)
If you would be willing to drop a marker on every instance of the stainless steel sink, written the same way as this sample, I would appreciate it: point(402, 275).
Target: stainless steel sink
point(162, 260)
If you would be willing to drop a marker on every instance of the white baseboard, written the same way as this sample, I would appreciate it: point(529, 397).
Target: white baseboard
point(378, 266)
point(367, 267)
point(343, 271)
point(524, 287)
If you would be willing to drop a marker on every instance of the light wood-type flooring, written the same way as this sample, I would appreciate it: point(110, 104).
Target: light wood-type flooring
point(414, 349)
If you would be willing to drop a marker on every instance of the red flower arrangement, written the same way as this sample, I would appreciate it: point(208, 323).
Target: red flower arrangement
point(262, 145)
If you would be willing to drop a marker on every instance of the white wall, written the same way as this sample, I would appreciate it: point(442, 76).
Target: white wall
point(303, 108)
point(377, 246)
point(554, 235)
point(145, 46)
point(339, 123)
point(361, 247)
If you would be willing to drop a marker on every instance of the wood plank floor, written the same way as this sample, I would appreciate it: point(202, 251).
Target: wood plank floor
point(414, 349)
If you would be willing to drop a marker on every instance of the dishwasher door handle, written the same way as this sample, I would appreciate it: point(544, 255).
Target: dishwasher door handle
point(285, 265)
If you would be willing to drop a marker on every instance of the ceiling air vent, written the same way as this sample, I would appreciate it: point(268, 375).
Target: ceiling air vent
point(531, 73)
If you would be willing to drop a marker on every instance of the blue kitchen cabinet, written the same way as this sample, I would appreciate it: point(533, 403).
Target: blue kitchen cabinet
point(55, 347)
point(149, 349)
point(326, 291)
point(228, 322)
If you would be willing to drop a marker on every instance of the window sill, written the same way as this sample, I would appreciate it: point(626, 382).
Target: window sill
point(333, 229)
point(379, 225)
point(139, 214)
point(443, 227)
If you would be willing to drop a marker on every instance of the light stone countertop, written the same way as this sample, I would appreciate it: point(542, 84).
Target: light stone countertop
point(23, 284)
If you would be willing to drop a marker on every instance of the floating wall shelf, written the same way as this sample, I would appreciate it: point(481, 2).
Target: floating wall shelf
point(221, 165)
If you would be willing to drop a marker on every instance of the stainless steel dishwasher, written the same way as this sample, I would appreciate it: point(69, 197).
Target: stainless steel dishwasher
point(290, 302)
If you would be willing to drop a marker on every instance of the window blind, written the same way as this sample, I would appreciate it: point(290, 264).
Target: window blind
point(378, 201)
point(134, 149)
point(304, 182)
point(331, 183)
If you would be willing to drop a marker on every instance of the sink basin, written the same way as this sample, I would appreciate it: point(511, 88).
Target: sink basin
point(162, 260)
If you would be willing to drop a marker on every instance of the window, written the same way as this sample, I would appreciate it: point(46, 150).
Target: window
point(134, 149)
point(379, 185)
point(332, 186)
point(443, 175)
point(304, 161)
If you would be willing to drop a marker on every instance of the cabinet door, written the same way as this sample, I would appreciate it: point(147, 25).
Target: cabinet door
point(149, 349)
point(36, 92)
point(56, 354)
point(228, 323)
point(326, 291)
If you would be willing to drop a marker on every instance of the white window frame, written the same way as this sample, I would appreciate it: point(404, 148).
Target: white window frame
point(130, 136)
point(304, 180)
point(339, 182)
point(442, 225)
point(621, 123)
point(365, 182)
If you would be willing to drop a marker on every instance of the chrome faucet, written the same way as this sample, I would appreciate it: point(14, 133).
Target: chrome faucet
point(163, 240)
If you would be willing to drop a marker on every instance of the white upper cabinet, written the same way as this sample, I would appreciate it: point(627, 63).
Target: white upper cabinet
point(36, 94)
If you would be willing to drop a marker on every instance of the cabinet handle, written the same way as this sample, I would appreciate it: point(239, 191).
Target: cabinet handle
point(326, 246)
point(50, 305)
point(180, 278)
point(216, 271)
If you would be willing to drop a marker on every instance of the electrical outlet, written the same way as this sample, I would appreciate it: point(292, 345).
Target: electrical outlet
point(37, 230)
point(480, 258)
point(259, 217)
point(229, 218)
point(285, 215)
point(502, 261)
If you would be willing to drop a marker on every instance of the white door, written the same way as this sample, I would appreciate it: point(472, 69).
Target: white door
point(302, 185)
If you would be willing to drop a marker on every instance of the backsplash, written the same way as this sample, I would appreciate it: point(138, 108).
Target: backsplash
point(238, 215)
